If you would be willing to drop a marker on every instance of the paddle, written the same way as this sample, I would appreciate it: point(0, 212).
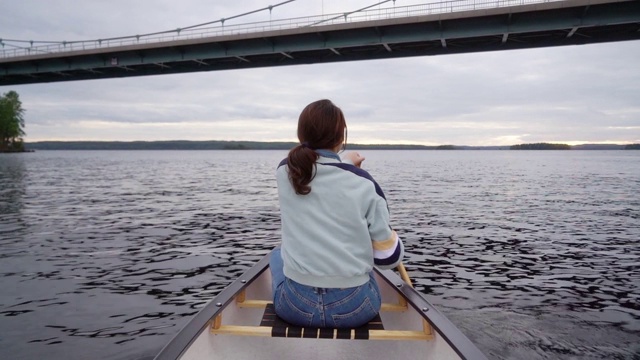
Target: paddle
point(404, 275)
point(426, 326)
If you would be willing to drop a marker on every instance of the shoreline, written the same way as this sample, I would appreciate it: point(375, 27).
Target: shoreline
point(257, 145)
point(18, 151)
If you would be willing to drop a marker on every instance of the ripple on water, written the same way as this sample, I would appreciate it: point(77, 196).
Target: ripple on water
point(113, 252)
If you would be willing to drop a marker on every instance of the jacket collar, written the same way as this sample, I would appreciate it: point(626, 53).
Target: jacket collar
point(328, 154)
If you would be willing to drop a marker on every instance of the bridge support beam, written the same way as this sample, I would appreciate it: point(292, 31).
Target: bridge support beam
point(528, 26)
point(573, 31)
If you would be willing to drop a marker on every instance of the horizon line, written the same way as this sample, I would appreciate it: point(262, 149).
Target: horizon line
point(570, 143)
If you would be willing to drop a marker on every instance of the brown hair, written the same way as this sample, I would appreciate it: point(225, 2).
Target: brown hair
point(321, 125)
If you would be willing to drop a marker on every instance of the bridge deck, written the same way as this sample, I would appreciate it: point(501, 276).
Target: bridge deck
point(534, 25)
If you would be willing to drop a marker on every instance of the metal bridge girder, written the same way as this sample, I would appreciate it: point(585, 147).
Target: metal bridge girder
point(498, 29)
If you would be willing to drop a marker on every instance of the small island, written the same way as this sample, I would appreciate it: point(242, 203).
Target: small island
point(541, 146)
point(446, 147)
point(11, 123)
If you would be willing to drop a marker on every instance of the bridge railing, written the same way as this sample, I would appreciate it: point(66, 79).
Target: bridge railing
point(9, 48)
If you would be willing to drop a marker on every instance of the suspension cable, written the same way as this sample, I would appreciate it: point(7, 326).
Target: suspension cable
point(349, 13)
point(222, 20)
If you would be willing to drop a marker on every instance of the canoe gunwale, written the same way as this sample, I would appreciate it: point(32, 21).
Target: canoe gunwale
point(445, 328)
point(442, 325)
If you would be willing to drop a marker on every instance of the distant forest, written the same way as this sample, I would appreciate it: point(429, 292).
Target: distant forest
point(541, 146)
point(259, 145)
point(549, 146)
point(220, 145)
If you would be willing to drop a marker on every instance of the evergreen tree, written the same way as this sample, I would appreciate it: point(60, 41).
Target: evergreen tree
point(11, 122)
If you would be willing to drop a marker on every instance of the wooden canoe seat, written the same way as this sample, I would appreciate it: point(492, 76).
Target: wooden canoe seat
point(273, 326)
point(280, 328)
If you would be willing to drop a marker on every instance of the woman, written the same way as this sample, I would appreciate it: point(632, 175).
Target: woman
point(335, 228)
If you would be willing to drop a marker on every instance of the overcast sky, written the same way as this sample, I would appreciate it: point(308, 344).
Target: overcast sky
point(575, 94)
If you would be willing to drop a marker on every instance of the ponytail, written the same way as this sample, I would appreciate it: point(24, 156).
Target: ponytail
point(321, 125)
point(302, 168)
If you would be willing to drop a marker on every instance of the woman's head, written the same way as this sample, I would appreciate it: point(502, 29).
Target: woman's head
point(321, 125)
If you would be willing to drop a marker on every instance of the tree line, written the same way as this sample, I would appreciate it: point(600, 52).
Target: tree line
point(258, 145)
point(200, 145)
point(11, 123)
point(541, 146)
point(549, 146)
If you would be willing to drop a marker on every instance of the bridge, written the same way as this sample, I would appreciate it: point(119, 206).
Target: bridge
point(450, 27)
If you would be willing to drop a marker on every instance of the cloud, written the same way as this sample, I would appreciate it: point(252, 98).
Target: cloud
point(586, 92)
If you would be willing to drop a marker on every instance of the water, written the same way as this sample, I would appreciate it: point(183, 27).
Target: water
point(533, 255)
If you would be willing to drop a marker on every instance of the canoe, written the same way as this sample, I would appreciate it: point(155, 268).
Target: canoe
point(239, 323)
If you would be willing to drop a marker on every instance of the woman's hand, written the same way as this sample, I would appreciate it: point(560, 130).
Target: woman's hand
point(355, 158)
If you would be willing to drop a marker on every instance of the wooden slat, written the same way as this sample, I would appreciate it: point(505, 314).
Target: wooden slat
point(242, 330)
point(388, 307)
point(398, 335)
point(427, 328)
point(217, 322)
point(254, 303)
point(241, 296)
point(373, 334)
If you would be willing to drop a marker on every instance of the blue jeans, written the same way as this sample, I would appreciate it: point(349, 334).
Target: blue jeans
point(310, 306)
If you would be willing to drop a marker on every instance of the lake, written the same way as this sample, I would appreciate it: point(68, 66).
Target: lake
point(107, 254)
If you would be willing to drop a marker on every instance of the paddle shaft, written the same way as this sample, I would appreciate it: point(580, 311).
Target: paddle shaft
point(404, 275)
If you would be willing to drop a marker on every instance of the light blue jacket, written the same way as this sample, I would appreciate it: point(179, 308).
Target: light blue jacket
point(333, 236)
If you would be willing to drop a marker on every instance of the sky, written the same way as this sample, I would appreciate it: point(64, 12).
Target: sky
point(573, 94)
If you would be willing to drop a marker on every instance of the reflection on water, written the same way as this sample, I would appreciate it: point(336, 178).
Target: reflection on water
point(12, 191)
point(12, 185)
point(534, 255)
